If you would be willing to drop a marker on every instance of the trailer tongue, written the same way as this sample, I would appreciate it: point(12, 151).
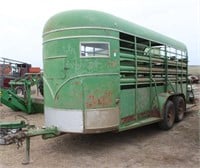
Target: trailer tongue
point(18, 131)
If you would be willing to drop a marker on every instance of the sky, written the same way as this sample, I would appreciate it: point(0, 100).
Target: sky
point(22, 22)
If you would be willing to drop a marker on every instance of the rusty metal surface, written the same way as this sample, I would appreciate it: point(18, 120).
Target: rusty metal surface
point(104, 100)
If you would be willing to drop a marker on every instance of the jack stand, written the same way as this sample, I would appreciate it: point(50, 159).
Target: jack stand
point(27, 153)
point(49, 132)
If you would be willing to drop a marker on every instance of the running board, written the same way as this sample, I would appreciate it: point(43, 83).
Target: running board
point(140, 123)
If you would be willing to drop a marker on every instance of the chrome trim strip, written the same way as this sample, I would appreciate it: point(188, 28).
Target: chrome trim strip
point(76, 28)
point(55, 57)
point(82, 36)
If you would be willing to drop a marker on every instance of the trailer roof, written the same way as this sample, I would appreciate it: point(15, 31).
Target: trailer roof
point(91, 18)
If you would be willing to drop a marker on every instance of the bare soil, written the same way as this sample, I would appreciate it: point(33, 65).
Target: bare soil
point(146, 147)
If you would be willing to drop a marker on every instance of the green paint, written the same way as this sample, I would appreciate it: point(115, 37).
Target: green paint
point(83, 18)
point(12, 125)
point(142, 71)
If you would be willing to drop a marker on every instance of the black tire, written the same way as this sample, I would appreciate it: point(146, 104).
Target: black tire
point(180, 108)
point(168, 116)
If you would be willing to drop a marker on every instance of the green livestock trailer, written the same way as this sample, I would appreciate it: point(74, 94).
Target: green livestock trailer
point(103, 73)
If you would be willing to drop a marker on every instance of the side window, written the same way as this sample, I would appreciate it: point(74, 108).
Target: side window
point(94, 49)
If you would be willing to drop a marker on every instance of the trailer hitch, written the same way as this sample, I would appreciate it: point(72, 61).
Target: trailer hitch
point(8, 130)
point(24, 132)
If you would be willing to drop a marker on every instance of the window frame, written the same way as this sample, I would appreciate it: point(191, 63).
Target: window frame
point(101, 42)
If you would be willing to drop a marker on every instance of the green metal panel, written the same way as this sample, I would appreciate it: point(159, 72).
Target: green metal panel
point(100, 92)
point(131, 112)
point(127, 104)
point(143, 103)
point(68, 77)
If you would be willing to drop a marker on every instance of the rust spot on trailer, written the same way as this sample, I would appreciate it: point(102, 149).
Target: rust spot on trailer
point(102, 101)
point(112, 64)
point(77, 82)
point(143, 115)
point(128, 119)
point(155, 112)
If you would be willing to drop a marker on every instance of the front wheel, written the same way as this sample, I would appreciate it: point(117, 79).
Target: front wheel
point(168, 116)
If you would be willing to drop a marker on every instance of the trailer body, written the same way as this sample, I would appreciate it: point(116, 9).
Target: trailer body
point(103, 73)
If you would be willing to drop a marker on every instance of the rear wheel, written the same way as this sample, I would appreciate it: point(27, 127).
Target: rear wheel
point(168, 116)
point(180, 108)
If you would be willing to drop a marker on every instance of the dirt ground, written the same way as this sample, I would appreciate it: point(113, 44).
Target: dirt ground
point(144, 147)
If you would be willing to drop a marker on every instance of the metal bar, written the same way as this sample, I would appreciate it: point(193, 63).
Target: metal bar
point(157, 60)
point(187, 94)
point(15, 61)
point(28, 98)
point(127, 80)
point(12, 125)
point(127, 59)
point(150, 76)
point(166, 69)
point(153, 69)
point(135, 48)
point(127, 49)
point(123, 55)
point(127, 68)
point(139, 57)
point(27, 152)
